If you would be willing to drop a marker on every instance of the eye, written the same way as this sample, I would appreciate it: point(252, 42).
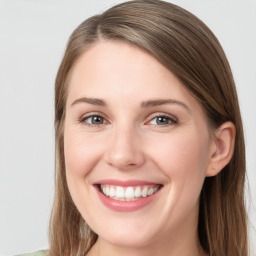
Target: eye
point(163, 120)
point(94, 120)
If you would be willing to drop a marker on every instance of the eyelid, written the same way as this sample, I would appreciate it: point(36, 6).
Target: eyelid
point(162, 114)
point(90, 114)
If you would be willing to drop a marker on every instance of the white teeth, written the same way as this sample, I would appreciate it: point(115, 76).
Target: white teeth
point(137, 192)
point(119, 192)
point(150, 192)
point(155, 189)
point(107, 191)
point(144, 192)
point(128, 193)
point(112, 192)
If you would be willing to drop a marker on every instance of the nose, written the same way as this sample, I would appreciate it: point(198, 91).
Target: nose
point(125, 150)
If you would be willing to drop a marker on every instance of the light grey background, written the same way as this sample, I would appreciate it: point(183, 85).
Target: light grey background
point(33, 35)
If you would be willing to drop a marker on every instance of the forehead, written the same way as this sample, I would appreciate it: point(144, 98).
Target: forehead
point(112, 68)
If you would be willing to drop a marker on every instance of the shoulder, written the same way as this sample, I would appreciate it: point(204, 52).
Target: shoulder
point(38, 253)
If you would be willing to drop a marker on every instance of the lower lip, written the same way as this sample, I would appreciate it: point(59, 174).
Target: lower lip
point(126, 206)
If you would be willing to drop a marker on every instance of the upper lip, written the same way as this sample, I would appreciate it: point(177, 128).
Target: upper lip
point(124, 183)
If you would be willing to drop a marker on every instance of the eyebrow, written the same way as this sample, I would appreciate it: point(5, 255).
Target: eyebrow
point(144, 104)
point(92, 101)
point(152, 103)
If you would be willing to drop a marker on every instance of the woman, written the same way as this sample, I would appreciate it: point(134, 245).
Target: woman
point(150, 156)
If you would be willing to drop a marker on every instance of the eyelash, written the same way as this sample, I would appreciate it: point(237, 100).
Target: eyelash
point(83, 120)
point(171, 120)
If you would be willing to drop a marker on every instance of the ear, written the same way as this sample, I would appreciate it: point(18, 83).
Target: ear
point(222, 149)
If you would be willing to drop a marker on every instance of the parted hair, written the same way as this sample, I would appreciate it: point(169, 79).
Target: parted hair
point(186, 47)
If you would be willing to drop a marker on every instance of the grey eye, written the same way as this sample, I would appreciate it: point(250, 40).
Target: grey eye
point(95, 120)
point(162, 120)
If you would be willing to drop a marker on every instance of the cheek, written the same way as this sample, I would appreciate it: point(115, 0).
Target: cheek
point(183, 158)
point(80, 159)
point(80, 156)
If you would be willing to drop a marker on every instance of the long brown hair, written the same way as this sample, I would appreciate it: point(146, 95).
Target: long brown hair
point(187, 47)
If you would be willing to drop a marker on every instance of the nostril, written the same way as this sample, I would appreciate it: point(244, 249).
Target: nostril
point(122, 163)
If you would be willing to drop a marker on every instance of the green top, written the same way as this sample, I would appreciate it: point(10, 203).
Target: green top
point(39, 253)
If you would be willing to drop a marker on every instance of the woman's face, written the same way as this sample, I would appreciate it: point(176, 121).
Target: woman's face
point(137, 147)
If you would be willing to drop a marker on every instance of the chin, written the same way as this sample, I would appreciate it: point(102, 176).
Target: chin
point(129, 233)
point(124, 239)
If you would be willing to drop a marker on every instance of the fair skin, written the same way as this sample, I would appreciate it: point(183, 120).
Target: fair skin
point(130, 123)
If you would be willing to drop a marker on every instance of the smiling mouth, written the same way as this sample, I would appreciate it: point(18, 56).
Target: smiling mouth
point(130, 193)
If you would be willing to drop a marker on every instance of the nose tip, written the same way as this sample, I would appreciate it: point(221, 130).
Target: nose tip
point(124, 152)
point(122, 163)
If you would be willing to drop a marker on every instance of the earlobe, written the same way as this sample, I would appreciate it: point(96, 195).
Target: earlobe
point(222, 149)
